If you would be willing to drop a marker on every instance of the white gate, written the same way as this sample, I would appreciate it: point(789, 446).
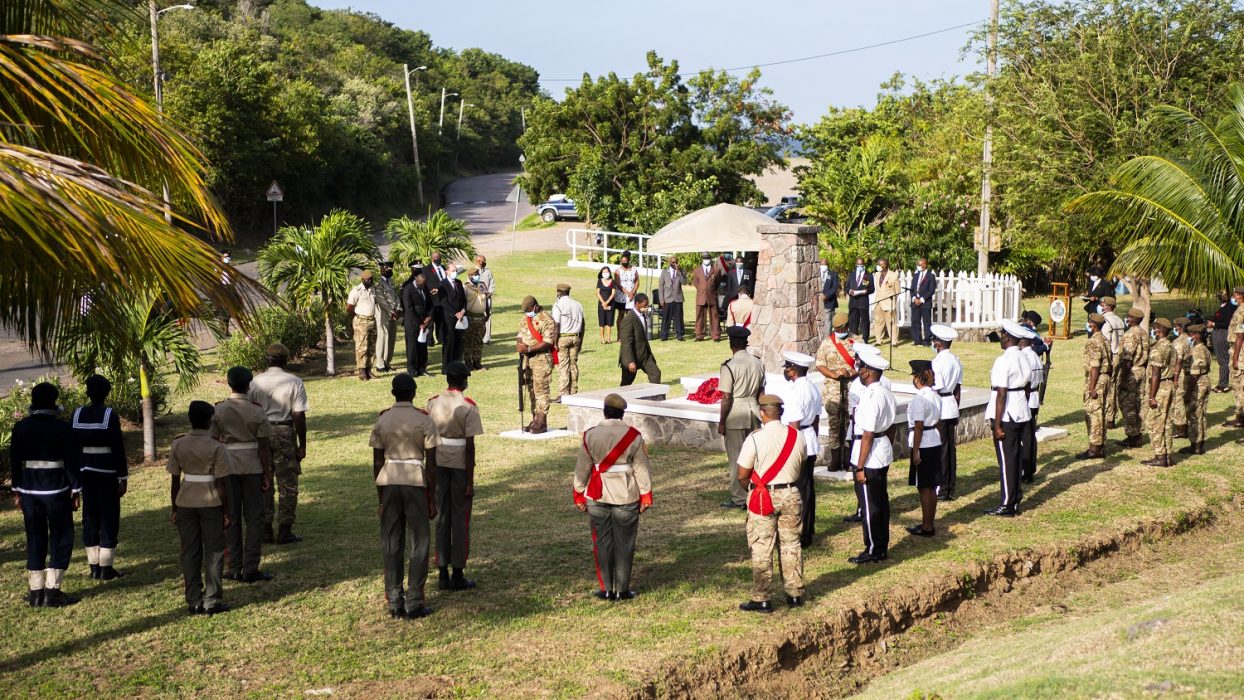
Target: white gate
point(965, 299)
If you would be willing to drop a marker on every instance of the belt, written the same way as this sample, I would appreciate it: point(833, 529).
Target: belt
point(198, 478)
point(371, 315)
point(416, 462)
point(809, 425)
point(42, 464)
point(779, 486)
point(98, 470)
point(618, 468)
point(96, 450)
point(281, 422)
point(945, 393)
point(233, 446)
point(453, 442)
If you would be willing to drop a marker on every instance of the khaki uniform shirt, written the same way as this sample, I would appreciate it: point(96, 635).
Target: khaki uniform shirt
point(742, 376)
point(1182, 350)
point(280, 394)
point(197, 455)
point(543, 323)
point(240, 424)
point(1097, 355)
point(1237, 324)
point(740, 312)
point(476, 300)
point(629, 479)
point(1134, 351)
point(388, 301)
point(405, 433)
point(1199, 362)
point(363, 300)
point(568, 315)
point(456, 418)
point(827, 356)
point(762, 448)
point(1113, 330)
point(1162, 358)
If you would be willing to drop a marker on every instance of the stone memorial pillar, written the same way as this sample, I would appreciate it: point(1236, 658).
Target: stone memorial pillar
point(786, 294)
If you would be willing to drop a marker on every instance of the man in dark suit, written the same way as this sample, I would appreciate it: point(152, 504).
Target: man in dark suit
point(1098, 287)
point(436, 276)
point(705, 279)
point(859, 286)
point(923, 287)
point(453, 310)
point(736, 277)
point(671, 300)
point(416, 316)
point(829, 295)
point(634, 352)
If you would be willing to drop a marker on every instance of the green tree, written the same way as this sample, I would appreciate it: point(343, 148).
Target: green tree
point(1180, 217)
point(415, 239)
point(143, 330)
point(82, 158)
point(310, 268)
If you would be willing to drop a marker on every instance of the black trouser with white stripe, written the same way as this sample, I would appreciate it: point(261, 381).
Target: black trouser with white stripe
point(874, 497)
point(101, 509)
point(807, 492)
point(1009, 460)
point(1028, 452)
point(950, 459)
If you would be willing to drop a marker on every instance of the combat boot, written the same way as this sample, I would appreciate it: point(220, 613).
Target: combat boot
point(1129, 441)
point(539, 424)
point(287, 536)
point(56, 598)
point(35, 598)
point(108, 573)
point(1236, 421)
point(1181, 431)
point(1093, 452)
point(95, 571)
point(1189, 450)
point(1200, 447)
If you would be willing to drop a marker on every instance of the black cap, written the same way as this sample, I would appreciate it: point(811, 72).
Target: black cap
point(457, 368)
point(239, 376)
point(403, 383)
point(200, 412)
point(918, 366)
point(1032, 317)
point(738, 333)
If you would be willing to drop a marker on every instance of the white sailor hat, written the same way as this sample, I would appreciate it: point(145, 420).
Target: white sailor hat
point(862, 348)
point(798, 358)
point(944, 332)
point(875, 361)
point(1015, 330)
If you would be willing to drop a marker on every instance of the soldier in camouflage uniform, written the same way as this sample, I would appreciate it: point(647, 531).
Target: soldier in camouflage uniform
point(1197, 389)
point(477, 318)
point(1097, 372)
point(283, 398)
point(769, 465)
point(1132, 373)
point(1236, 338)
point(1179, 343)
point(836, 363)
point(538, 356)
point(1162, 368)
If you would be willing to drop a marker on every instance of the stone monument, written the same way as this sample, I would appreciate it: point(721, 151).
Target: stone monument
point(786, 294)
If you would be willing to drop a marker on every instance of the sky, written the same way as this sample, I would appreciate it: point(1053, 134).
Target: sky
point(564, 39)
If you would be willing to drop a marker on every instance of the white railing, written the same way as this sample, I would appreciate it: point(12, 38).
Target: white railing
point(589, 248)
point(965, 299)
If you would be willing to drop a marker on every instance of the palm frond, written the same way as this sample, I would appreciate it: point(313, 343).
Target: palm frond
point(413, 239)
point(306, 266)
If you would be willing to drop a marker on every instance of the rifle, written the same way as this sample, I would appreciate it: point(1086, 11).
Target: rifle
point(1049, 363)
point(521, 386)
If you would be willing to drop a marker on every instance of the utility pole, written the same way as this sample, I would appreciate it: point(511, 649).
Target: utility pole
point(440, 127)
point(158, 80)
point(414, 135)
point(991, 58)
point(462, 105)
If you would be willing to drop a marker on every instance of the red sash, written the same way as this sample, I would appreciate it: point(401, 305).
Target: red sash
point(595, 485)
point(531, 328)
point(843, 351)
point(760, 502)
point(733, 318)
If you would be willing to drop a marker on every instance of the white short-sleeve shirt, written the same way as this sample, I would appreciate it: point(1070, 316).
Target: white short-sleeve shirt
point(801, 406)
point(926, 407)
point(568, 315)
point(875, 414)
point(948, 374)
point(1012, 372)
point(1038, 376)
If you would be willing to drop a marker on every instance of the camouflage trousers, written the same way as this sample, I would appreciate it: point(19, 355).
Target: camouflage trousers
point(538, 376)
point(568, 364)
point(835, 419)
point(1179, 412)
point(1129, 402)
point(1158, 419)
point(1237, 385)
point(1197, 399)
point(780, 529)
point(285, 471)
point(364, 341)
point(473, 342)
point(1112, 401)
point(1095, 412)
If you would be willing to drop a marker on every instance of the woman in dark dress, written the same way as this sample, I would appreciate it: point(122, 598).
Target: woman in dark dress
point(605, 293)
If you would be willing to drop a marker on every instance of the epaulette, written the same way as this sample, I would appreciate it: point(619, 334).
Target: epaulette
point(179, 436)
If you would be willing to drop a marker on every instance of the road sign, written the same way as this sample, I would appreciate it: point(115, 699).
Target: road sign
point(514, 195)
point(275, 193)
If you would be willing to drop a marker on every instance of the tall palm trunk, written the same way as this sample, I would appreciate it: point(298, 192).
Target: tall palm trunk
point(144, 388)
point(330, 344)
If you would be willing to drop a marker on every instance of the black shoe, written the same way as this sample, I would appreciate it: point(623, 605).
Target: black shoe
point(108, 573)
point(461, 583)
point(195, 610)
point(287, 536)
point(397, 613)
point(95, 571)
point(601, 595)
point(421, 611)
point(866, 558)
point(268, 537)
point(56, 598)
point(255, 577)
point(625, 595)
point(945, 497)
point(795, 601)
point(761, 606)
point(731, 504)
point(1025, 479)
point(218, 609)
point(919, 531)
point(227, 576)
point(442, 581)
point(1004, 511)
point(853, 518)
point(35, 598)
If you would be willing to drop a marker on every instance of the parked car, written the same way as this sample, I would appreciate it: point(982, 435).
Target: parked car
point(557, 207)
point(787, 214)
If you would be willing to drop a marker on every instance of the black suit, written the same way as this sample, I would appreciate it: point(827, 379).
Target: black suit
point(829, 294)
point(436, 277)
point(633, 347)
point(416, 308)
point(857, 304)
point(1096, 292)
point(923, 287)
point(733, 283)
point(453, 300)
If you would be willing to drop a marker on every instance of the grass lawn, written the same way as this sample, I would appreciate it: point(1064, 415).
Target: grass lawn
point(531, 627)
point(533, 222)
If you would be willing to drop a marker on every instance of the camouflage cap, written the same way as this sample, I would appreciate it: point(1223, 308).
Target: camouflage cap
point(1196, 328)
point(1097, 318)
point(1136, 313)
point(615, 401)
point(840, 319)
point(1162, 323)
point(1181, 322)
point(529, 303)
point(770, 400)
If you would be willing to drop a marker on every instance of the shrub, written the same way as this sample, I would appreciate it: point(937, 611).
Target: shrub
point(15, 406)
point(298, 332)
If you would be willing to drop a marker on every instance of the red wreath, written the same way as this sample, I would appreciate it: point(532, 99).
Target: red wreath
point(707, 393)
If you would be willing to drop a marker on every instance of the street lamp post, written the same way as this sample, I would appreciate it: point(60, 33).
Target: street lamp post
point(414, 135)
point(159, 79)
point(458, 135)
point(440, 127)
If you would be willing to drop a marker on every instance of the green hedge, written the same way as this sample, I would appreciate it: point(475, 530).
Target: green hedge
point(298, 332)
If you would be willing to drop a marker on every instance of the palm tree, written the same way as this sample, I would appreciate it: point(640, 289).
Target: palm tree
point(142, 330)
point(412, 239)
point(310, 267)
point(1181, 217)
point(79, 152)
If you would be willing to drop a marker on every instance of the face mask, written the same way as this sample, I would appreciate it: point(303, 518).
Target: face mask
point(922, 268)
point(1093, 278)
point(626, 263)
point(824, 268)
point(531, 314)
point(841, 336)
point(1088, 328)
point(738, 266)
point(859, 268)
point(1153, 334)
point(1234, 302)
point(605, 275)
point(705, 263)
point(367, 284)
point(387, 274)
point(475, 279)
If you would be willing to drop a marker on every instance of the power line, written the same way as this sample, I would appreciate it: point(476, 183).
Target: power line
point(811, 58)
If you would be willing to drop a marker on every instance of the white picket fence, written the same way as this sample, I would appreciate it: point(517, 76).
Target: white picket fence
point(965, 299)
point(589, 248)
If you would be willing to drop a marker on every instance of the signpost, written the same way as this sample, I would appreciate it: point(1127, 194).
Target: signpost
point(516, 195)
point(275, 194)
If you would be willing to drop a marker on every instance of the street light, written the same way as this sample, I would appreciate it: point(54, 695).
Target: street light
point(458, 136)
point(441, 126)
point(159, 79)
point(414, 135)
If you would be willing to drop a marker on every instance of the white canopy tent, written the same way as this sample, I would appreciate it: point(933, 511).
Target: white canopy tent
point(719, 227)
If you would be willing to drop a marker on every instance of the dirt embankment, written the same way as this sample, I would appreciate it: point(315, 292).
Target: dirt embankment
point(846, 647)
